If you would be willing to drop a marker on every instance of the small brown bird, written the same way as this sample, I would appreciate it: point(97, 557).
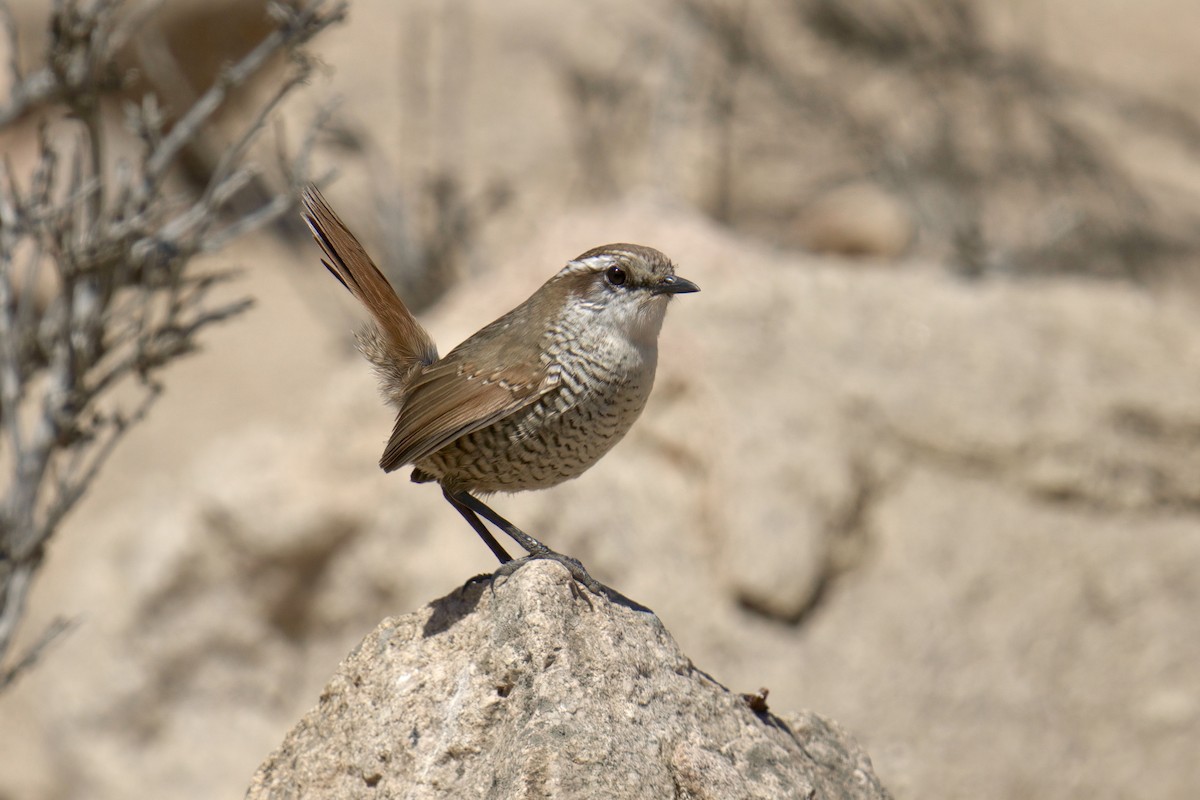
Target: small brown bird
point(531, 400)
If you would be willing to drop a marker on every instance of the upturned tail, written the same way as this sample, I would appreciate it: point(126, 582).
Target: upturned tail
point(395, 343)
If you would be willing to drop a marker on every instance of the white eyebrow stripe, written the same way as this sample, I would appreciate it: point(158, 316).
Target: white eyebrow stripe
point(594, 263)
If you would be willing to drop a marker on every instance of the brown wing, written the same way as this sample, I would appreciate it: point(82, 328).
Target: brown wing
point(494, 373)
point(450, 400)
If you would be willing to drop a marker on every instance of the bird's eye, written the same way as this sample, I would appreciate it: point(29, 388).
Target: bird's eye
point(615, 275)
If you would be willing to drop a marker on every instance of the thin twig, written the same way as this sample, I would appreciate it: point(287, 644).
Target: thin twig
point(306, 20)
point(52, 633)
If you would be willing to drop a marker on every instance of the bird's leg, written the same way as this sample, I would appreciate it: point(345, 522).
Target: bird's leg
point(466, 502)
point(478, 525)
point(474, 504)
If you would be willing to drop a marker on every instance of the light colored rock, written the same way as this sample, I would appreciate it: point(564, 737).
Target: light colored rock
point(531, 691)
point(858, 219)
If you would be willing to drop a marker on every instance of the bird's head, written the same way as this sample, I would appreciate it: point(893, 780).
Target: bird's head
point(627, 286)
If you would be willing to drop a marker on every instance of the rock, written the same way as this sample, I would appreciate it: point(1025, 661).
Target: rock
point(529, 691)
point(858, 219)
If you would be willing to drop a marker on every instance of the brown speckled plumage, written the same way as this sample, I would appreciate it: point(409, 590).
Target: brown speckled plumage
point(531, 400)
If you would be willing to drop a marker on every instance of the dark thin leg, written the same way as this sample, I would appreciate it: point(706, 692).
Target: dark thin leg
point(531, 545)
point(479, 527)
point(466, 502)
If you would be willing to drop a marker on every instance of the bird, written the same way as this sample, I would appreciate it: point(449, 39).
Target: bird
point(531, 400)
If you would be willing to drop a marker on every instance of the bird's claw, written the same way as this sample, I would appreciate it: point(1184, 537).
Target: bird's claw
point(579, 575)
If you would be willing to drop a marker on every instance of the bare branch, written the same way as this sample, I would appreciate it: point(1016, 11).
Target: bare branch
point(299, 25)
point(126, 301)
point(56, 629)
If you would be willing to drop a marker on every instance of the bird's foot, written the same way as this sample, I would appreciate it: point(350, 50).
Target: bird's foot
point(483, 577)
point(579, 575)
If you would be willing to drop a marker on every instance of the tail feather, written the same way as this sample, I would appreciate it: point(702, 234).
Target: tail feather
point(396, 344)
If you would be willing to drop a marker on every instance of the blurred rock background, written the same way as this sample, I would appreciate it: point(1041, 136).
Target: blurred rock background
point(924, 456)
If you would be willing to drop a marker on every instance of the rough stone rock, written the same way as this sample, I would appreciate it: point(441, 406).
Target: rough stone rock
point(532, 691)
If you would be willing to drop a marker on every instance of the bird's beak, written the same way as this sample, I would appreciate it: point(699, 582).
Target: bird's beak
point(673, 284)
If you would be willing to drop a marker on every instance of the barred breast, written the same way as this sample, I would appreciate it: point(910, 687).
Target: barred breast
point(603, 382)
